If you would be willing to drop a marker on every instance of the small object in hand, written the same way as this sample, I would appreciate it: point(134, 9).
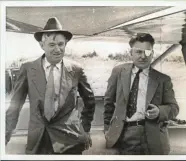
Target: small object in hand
point(147, 113)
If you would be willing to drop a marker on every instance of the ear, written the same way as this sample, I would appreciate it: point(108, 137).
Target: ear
point(41, 43)
point(130, 51)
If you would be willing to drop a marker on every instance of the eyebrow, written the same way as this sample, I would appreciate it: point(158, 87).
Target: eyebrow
point(53, 43)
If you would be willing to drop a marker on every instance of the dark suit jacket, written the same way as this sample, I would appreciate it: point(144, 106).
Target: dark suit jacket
point(159, 92)
point(66, 127)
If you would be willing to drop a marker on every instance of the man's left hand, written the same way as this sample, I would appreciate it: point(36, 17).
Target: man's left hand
point(152, 112)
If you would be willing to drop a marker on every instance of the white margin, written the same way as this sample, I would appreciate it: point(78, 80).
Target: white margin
point(95, 3)
point(2, 72)
point(3, 5)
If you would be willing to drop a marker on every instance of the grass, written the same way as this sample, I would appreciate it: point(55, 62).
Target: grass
point(120, 57)
point(90, 55)
point(172, 58)
point(176, 59)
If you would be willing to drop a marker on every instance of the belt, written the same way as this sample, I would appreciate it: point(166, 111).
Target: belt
point(135, 123)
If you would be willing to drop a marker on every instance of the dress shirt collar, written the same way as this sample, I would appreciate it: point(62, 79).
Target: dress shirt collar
point(47, 64)
point(145, 71)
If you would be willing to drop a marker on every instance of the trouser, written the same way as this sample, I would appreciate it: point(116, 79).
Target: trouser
point(132, 141)
point(45, 147)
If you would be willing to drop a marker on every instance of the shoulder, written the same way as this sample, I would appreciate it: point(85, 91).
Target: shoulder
point(162, 76)
point(72, 65)
point(122, 66)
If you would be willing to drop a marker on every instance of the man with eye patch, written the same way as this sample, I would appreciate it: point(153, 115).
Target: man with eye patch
point(51, 82)
point(138, 103)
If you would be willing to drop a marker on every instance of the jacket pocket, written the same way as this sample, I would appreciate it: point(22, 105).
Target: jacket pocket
point(163, 127)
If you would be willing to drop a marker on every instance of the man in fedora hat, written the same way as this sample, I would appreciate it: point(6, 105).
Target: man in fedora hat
point(138, 103)
point(51, 83)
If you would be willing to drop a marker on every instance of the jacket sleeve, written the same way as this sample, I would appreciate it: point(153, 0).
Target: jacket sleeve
point(87, 95)
point(169, 108)
point(110, 98)
point(17, 101)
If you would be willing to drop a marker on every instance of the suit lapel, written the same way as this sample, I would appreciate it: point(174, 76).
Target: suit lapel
point(126, 80)
point(67, 75)
point(39, 79)
point(152, 86)
point(38, 76)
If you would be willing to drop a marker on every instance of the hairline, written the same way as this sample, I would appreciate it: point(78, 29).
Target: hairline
point(46, 35)
point(152, 44)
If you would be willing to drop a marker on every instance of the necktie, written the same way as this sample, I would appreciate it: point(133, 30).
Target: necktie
point(133, 95)
point(49, 104)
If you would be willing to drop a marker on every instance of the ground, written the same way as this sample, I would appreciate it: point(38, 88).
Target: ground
point(177, 142)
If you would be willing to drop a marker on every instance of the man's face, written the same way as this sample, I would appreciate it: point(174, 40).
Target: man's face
point(142, 53)
point(54, 47)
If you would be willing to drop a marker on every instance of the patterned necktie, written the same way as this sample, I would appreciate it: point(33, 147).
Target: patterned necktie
point(49, 104)
point(133, 95)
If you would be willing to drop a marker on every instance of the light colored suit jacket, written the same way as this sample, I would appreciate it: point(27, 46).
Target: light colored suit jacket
point(66, 127)
point(159, 92)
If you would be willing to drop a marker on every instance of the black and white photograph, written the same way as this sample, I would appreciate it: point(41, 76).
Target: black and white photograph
point(94, 79)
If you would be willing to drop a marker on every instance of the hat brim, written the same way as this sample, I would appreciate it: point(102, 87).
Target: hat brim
point(38, 35)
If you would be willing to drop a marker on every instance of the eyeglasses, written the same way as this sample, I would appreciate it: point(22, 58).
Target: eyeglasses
point(141, 51)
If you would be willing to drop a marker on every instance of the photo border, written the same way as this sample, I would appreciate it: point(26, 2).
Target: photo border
point(3, 5)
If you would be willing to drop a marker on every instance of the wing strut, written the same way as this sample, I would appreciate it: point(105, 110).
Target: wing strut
point(164, 54)
point(183, 41)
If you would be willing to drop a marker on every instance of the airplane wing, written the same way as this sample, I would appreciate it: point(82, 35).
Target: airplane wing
point(166, 26)
point(165, 23)
point(80, 20)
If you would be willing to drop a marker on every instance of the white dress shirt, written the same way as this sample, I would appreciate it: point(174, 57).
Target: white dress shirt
point(142, 92)
point(57, 76)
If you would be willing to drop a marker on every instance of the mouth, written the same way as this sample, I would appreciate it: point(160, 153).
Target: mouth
point(57, 54)
point(142, 61)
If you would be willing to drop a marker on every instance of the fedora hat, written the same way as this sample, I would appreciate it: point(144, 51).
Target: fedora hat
point(52, 25)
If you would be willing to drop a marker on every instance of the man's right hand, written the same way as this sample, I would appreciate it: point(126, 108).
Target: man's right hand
point(7, 138)
point(88, 142)
point(86, 139)
point(6, 141)
point(106, 127)
point(105, 132)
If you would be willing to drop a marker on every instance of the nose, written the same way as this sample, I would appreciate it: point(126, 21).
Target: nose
point(143, 55)
point(57, 49)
